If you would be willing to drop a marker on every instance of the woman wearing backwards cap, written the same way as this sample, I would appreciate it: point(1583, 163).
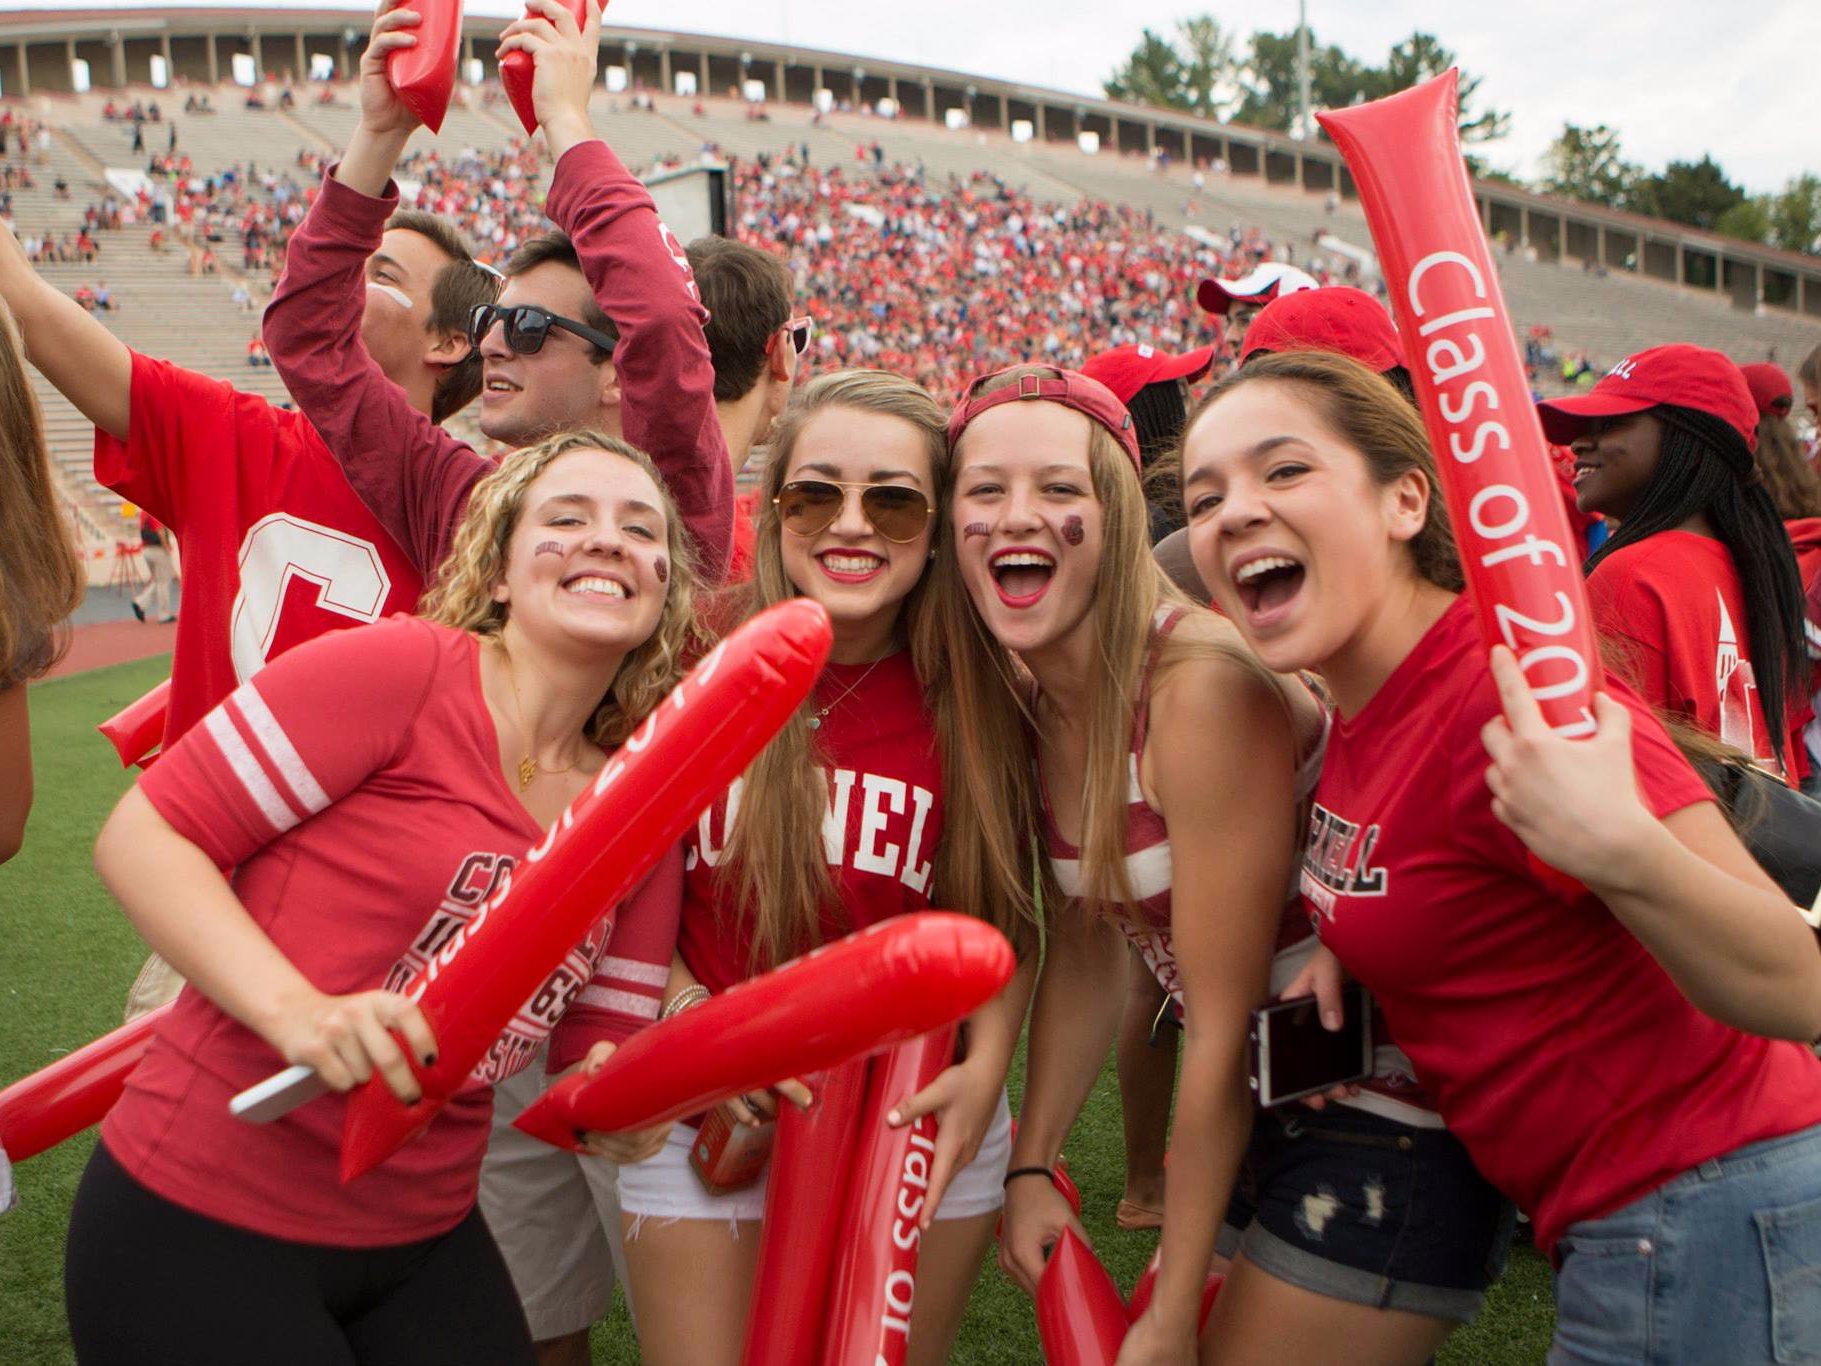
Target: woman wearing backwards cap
point(1698, 586)
point(1169, 765)
point(1154, 386)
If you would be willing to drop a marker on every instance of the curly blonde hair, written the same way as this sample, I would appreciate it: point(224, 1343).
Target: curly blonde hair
point(463, 594)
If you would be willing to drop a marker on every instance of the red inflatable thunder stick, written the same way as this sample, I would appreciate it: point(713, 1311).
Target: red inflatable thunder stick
point(883, 985)
point(138, 728)
point(804, 1198)
point(423, 75)
point(1080, 1318)
point(696, 741)
point(1520, 560)
point(1147, 1286)
point(875, 1272)
point(76, 1091)
point(517, 70)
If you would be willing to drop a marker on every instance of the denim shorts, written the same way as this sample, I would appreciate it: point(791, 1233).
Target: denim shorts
point(1364, 1209)
point(1721, 1264)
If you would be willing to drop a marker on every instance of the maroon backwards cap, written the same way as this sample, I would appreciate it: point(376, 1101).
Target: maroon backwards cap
point(1770, 388)
point(1070, 388)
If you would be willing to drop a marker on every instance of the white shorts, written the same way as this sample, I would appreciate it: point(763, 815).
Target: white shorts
point(553, 1213)
point(665, 1186)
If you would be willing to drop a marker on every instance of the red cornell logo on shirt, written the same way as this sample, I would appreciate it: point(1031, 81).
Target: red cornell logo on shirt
point(891, 841)
point(1735, 684)
point(1337, 860)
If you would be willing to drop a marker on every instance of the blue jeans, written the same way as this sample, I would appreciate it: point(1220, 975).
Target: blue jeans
point(1720, 1265)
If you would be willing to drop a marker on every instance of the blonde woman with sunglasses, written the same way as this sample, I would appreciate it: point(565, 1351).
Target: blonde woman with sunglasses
point(837, 825)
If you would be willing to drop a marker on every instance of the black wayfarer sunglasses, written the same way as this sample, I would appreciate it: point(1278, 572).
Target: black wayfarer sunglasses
point(528, 327)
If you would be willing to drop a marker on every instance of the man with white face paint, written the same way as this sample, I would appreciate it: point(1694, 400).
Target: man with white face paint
point(599, 325)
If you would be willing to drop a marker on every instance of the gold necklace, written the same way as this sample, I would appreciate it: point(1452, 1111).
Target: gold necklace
point(528, 767)
point(821, 715)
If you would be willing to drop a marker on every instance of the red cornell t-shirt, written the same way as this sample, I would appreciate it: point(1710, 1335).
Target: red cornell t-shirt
point(880, 835)
point(277, 549)
point(1672, 602)
point(354, 789)
point(1559, 1053)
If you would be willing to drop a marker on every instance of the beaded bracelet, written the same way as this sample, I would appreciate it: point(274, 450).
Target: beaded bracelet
point(692, 995)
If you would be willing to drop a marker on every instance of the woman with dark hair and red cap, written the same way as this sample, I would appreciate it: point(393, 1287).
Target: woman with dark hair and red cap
point(1154, 386)
point(1697, 589)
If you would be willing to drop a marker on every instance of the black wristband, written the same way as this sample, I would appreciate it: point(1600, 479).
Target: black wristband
point(1017, 1172)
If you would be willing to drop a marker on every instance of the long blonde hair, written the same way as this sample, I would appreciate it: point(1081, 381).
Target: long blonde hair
point(779, 871)
point(463, 594)
point(980, 695)
point(41, 577)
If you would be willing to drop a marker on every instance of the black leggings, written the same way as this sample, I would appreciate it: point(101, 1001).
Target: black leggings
point(149, 1283)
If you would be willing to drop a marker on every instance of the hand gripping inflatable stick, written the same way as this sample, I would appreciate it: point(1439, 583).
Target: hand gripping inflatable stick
point(60, 1101)
point(875, 1269)
point(423, 75)
point(1521, 565)
point(1080, 1318)
point(694, 743)
point(883, 985)
point(517, 71)
point(805, 1193)
point(138, 728)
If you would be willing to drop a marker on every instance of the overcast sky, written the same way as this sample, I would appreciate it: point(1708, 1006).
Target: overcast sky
point(1677, 78)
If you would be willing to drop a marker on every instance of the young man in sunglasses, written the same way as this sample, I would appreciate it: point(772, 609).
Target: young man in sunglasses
point(598, 326)
point(277, 548)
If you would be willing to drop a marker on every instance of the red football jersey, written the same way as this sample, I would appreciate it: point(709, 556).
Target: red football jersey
point(1577, 1075)
point(880, 833)
point(1672, 602)
point(277, 549)
point(360, 835)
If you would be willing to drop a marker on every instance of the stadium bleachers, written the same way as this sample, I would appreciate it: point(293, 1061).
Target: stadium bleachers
point(166, 311)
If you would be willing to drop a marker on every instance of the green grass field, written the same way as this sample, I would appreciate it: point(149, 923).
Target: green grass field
point(67, 957)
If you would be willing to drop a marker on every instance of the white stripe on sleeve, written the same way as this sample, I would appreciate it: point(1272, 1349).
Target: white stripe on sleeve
point(252, 777)
point(280, 750)
point(625, 1002)
point(633, 970)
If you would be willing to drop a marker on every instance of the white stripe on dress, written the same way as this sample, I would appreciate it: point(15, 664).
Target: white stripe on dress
point(252, 777)
point(633, 970)
point(280, 750)
point(625, 1002)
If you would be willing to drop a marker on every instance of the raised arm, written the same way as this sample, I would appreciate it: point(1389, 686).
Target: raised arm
point(640, 278)
point(88, 364)
point(413, 475)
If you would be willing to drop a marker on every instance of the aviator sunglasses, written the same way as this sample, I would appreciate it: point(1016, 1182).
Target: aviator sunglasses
point(808, 507)
point(528, 327)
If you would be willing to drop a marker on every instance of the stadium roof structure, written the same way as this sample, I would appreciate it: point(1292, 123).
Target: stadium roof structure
point(40, 50)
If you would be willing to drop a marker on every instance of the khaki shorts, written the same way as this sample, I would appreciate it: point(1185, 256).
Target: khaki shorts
point(554, 1214)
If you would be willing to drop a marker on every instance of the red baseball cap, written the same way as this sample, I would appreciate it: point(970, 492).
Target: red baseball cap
point(1127, 369)
point(1687, 376)
point(1259, 285)
point(1338, 319)
point(1070, 388)
point(1770, 388)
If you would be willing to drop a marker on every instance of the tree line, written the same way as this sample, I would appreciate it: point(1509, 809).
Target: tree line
point(1206, 69)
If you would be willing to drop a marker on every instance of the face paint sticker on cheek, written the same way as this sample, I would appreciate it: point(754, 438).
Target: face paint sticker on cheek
point(975, 529)
point(547, 548)
point(662, 569)
point(1073, 530)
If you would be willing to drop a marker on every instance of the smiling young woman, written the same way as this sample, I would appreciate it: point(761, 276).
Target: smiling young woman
point(359, 836)
point(841, 822)
point(1605, 1048)
point(1168, 771)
